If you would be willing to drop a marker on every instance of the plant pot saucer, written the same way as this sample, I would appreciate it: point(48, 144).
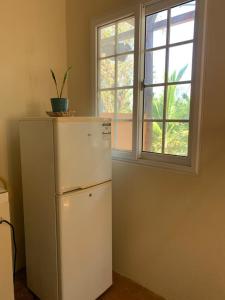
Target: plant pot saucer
point(70, 113)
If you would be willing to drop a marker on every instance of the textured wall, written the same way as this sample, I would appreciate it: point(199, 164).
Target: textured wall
point(169, 228)
point(33, 39)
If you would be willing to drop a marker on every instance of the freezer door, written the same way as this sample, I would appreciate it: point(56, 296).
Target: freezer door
point(82, 153)
point(85, 242)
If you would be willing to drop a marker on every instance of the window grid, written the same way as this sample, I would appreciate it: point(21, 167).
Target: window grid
point(165, 84)
point(115, 88)
point(192, 82)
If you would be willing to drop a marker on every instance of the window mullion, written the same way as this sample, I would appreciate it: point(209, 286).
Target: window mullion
point(169, 45)
point(128, 87)
point(117, 54)
point(166, 81)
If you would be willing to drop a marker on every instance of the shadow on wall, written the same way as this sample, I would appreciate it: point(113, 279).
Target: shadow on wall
point(12, 149)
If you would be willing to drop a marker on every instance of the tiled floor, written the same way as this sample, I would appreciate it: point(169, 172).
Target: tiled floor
point(122, 289)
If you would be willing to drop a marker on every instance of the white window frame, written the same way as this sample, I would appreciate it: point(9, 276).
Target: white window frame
point(187, 164)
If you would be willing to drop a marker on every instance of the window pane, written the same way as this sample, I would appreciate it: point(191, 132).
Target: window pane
point(125, 70)
point(156, 29)
point(178, 101)
point(124, 103)
point(106, 103)
point(122, 135)
point(107, 41)
point(153, 102)
point(155, 66)
point(182, 22)
point(115, 79)
point(152, 137)
point(176, 140)
point(180, 63)
point(125, 36)
point(107, 73)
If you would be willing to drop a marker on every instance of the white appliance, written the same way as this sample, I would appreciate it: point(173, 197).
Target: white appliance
point(6, 267)
point(66, 175)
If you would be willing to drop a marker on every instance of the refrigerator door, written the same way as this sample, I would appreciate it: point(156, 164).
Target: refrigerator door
point(82, 152)
point(85, 242)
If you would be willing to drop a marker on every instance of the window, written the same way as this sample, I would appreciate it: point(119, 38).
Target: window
point(152, 92)
point(116, 79)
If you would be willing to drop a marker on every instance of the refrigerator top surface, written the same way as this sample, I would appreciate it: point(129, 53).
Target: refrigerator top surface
point(68, 119)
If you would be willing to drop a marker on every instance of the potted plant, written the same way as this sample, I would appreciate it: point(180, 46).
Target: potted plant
point(60, 104)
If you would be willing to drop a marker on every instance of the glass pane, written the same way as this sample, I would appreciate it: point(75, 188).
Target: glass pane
point(152, 137)
point(180, 63)
point(176, 140)
point(124, 103)
point(125, 70)
point(182, 22)
point(122, 135)
point(155, 66)
point(106, 103)
point(156, 29)
point(178, 101)
point(153, 102)
point(107, 41)
point(125, 36)
point(107, 73)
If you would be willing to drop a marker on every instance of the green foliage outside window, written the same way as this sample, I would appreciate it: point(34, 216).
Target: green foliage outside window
point(177, 108)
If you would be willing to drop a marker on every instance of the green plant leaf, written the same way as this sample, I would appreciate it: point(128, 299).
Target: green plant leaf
point(55, 81)
point(64, 81)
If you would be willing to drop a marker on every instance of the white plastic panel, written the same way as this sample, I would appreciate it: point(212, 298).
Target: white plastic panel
point(82, 153)
point(38, 179)
point(85, 231)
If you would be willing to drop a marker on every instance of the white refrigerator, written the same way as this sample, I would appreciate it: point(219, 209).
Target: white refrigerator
point(67, 199)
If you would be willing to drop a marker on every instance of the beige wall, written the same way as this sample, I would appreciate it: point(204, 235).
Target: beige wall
point(169, 228)
point(80, 15)
point(33, 39)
